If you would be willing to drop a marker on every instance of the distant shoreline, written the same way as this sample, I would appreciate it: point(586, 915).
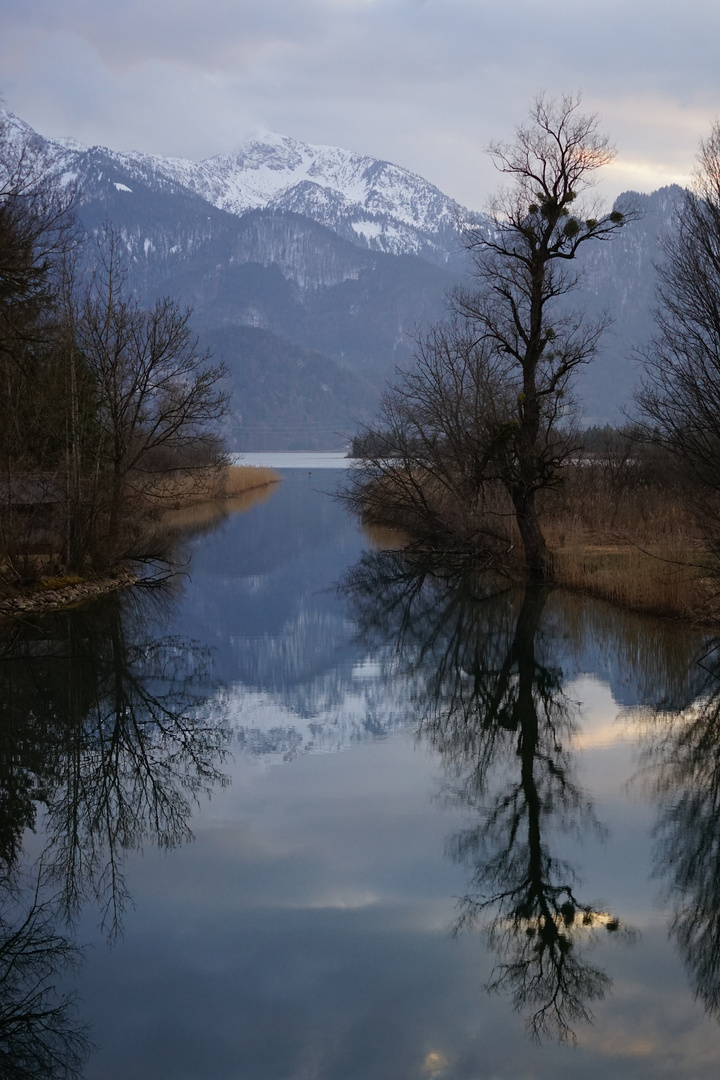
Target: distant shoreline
point(294, 459)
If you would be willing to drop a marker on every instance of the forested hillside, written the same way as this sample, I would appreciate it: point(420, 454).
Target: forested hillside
point(324, 252)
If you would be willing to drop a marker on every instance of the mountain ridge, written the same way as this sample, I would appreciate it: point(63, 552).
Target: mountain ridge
point(374, 203)
point(344, 257)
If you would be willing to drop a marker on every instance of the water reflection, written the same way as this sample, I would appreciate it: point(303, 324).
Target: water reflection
point(106, 728)
point(305, 933)
point(491, 701)
point(683, 756)
point(108, 742)
point(41, 1035)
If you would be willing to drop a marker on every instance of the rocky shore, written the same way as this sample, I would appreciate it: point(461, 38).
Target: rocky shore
point(52, 594)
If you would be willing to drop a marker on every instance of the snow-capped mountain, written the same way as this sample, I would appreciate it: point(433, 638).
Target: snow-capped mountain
point(311, 269)
point(373, 203)
point(387, 207)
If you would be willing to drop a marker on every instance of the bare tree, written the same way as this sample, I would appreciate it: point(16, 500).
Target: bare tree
point(37, 234)
point(522, 272)
point(101, 401)
point(680, 398)
point(514, 343)
point(158, 394)
point(431, 466)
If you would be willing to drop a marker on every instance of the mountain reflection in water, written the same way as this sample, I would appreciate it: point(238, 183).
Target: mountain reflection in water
point(308, 931)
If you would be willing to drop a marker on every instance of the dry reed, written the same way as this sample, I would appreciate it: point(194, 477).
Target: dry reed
point(177, 490)
point(198, 516)
point(632, 542)
point(639, 547)
point(239, 479)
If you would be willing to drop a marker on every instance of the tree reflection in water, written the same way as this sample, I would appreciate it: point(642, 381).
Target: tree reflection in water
point(493, 705)
point(41, 1035)
point(107, 742)
point(683, 756)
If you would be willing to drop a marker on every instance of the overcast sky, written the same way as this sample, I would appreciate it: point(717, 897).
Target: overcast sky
point(424, 83)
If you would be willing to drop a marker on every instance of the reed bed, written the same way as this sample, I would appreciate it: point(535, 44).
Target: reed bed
point(640, 547)
point(631, 539)
point(239, 479)
point(659, 581)
point(183, 489)
point(159, 509)
point(199, 516)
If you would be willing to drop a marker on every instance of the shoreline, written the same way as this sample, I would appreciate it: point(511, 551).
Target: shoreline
point(661, 585)
point(675, 581)
point(639, 548)
point(62, 591)
point(57, 594)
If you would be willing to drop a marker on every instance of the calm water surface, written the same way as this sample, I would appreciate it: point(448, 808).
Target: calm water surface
point(320, 812)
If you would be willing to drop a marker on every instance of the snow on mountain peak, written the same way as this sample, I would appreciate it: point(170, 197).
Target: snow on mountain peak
point(369, 201)
point(372, 202)
point(267, 149)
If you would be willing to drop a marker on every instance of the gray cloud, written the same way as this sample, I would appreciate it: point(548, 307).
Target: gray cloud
point(426, 84)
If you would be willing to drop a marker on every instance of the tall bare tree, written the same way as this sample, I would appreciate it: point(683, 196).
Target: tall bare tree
point(523, 270)
point(158, 394)
point(490, 398)
point(680, 398)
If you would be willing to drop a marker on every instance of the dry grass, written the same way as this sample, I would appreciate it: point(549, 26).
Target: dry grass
point(636, 544)
point(640, 548)
point(239, 479)
point(198, 516)
point(177, 490)
point(661, 581)
point(435, 514)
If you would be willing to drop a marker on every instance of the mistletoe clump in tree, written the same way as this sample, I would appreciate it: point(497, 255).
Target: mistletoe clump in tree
point(487, 409)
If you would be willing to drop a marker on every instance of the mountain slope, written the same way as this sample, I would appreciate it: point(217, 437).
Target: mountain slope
point(309, 323)
point(286, 396)
point(375, 204)
point(619, 279)
point(330, 253)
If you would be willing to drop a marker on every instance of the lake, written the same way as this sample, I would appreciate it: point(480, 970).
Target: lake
point(320, 810)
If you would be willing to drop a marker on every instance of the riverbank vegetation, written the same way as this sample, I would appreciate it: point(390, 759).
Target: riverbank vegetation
point(109, 411)
point(621, 525)
point(478, 449)
point(179, 489)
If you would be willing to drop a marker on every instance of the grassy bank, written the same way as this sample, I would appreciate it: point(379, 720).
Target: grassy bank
point(37, 579)
point(642, 549)
point(200, 516)
point(183, 489)
point(630, 539)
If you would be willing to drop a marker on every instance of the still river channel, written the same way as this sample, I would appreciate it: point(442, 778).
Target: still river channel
point(318, 812)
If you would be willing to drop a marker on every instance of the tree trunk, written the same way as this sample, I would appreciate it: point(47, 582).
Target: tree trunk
point(538, 559)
